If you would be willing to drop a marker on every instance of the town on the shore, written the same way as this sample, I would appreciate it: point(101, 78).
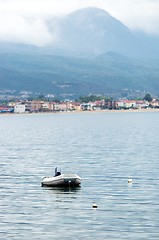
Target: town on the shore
point(37, 106)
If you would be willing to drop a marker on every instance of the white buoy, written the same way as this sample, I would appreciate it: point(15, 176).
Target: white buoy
point(94, 205)
point(130, 180)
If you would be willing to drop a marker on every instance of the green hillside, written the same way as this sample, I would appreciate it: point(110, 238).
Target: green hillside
point(76, 76)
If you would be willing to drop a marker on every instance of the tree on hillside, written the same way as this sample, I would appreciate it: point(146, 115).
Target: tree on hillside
point(147, 97)
point(41, 97)
point(91, 98)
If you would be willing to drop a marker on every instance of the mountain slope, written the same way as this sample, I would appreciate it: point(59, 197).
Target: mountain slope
point(104, 74)
point(92, 31)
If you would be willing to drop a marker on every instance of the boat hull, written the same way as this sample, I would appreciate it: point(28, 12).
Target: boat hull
point(63, 180)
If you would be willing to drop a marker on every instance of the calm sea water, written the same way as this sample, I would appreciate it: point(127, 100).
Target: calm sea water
point(105, 149)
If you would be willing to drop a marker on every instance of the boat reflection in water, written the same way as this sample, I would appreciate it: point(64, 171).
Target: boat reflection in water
point(66, 190)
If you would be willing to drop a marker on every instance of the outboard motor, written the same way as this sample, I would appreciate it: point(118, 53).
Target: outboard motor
point(57, 171)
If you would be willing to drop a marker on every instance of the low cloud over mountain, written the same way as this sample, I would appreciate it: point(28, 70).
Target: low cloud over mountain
point(85, 32)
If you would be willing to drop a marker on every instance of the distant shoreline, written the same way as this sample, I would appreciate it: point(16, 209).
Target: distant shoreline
point(81, 112)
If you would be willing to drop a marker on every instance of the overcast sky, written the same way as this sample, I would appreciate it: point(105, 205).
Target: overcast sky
point(25, 20)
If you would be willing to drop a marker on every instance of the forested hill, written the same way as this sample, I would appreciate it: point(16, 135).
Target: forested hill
point(70, 76)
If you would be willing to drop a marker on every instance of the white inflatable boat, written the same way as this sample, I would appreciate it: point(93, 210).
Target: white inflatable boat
point(63, 180)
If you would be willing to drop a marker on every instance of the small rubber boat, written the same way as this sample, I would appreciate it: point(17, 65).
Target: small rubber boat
point(61, 180)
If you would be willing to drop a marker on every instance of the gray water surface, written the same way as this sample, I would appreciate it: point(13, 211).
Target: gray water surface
point(105, 149)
